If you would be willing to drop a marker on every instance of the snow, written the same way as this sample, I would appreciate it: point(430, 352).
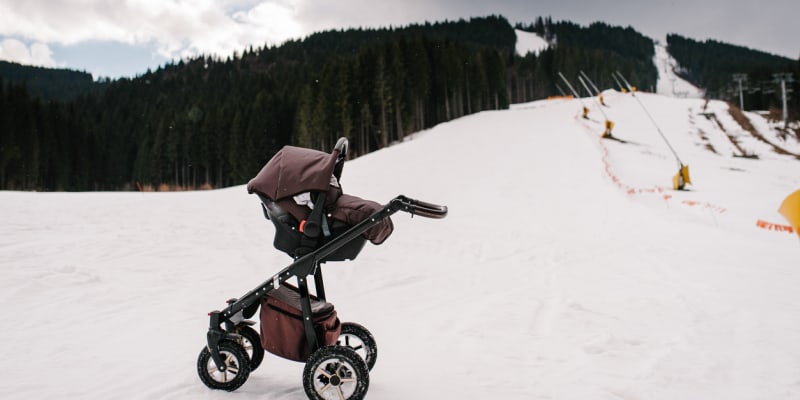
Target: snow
point(669, 83)
point(529, 42)
point(773, 132)
point(566, 269)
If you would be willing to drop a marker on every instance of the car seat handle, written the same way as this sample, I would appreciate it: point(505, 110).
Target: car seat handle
point(341, 147)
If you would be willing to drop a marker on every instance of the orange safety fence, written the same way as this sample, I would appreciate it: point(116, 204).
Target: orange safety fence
point(666, 196)
point(630, 190)
point(774, 227)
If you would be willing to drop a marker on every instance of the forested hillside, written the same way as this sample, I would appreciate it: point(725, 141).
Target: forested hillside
point(711, 64)
point(217, 121)
point(598, 50)
point(49, 83)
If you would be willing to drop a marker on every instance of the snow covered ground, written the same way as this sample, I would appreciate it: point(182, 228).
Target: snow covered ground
point(529, 42)
point(567, 269)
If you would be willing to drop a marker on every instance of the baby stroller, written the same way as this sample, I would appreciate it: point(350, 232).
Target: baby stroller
point(315, 222)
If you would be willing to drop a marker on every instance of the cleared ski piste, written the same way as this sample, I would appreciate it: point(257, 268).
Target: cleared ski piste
point(566, 269)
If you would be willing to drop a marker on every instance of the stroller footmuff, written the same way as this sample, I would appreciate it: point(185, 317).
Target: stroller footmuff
point(315, 222)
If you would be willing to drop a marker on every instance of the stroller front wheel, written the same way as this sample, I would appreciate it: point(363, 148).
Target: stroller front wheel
point(358, 338)
point(237, 367)
point(335, 372)
point(251, 343)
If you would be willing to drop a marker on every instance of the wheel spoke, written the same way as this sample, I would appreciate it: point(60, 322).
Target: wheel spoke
point(357, 340)
point(324, 373)
point(339, 390)
point(325, 388)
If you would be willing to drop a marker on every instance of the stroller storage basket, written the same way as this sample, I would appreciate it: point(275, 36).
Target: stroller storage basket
point(282, 331)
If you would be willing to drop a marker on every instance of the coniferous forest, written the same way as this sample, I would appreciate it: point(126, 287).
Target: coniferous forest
point(711, 64)
point(214, 122)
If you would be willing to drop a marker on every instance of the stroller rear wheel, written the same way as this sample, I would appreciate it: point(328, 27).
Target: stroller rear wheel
point(358, 338)
point(335, 373)
point(237, 367)
point(251, 343)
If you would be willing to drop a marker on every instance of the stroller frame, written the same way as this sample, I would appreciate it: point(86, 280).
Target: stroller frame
point(233, 349)
point(302, 268)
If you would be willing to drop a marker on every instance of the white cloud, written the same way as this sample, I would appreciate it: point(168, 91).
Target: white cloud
point(16, 51)
point(272, 20)
point(176, 28)
point(181, 28)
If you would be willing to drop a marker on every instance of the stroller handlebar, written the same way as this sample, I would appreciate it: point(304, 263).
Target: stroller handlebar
point(418, 207)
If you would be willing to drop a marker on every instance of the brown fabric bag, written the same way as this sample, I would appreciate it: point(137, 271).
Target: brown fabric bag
point(282, 331)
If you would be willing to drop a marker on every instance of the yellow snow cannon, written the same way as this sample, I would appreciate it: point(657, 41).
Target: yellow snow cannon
point(680, 179)
point(609, 127)
point(790, 209)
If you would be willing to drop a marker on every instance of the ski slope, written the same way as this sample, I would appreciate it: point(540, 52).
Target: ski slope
point(529, 42)
point(669, 83)
point(566, 269)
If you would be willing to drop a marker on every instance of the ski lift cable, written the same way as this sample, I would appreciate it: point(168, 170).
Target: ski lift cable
point(680, 163)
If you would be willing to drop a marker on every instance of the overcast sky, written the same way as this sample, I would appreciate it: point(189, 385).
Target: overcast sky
point(126, 37)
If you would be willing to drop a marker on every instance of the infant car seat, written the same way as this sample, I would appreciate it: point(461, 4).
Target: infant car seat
point(301, 194)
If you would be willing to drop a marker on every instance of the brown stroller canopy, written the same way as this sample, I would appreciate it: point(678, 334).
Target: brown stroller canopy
point(295, 170)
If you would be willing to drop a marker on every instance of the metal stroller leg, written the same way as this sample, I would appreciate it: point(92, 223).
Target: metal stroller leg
point(318, 283)
point(305, 304)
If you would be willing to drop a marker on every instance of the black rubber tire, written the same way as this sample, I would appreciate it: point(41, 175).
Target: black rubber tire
point(358, 338)
point(236, 360)
point(335, 372)
point(251, 343)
